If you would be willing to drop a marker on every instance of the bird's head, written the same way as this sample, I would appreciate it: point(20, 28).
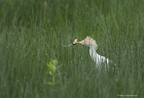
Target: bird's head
point(88, 41)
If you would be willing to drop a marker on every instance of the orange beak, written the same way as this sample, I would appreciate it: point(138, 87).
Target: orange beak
point(78, 42)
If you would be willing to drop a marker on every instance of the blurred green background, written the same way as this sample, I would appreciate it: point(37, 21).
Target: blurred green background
point(32, 33)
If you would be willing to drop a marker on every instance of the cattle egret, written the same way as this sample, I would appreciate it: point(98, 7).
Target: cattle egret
point(100, 60)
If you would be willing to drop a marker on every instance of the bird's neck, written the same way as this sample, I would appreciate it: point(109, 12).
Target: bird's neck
point(96, 57)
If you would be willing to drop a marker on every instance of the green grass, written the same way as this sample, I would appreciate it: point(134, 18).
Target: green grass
point(32, 33)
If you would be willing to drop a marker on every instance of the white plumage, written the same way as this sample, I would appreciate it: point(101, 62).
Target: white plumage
point(100, 60)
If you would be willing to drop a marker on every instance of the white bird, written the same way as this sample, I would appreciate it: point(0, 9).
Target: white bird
point(100, 60)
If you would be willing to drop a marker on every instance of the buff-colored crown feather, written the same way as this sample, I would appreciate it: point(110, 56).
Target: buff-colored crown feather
point(88, 41)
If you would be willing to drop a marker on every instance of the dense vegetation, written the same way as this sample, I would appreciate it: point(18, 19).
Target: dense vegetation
point(34, 64)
